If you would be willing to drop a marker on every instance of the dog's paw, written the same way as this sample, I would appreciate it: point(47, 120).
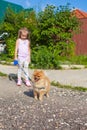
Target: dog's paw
point(47, 95)
point(36, 97)
point(40, 98)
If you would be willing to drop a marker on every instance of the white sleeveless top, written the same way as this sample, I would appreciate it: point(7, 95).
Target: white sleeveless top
point(23, 48)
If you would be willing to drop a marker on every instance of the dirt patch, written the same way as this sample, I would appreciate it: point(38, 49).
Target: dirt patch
point(63, 110)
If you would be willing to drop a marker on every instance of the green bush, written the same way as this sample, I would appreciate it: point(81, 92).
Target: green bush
point(81, 59)
point(43, 58)
point(10, 47)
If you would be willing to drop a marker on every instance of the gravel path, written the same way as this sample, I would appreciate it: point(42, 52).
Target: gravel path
point(63, 110)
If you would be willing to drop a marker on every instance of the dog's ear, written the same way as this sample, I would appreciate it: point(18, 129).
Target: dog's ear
point(35, 70)
point(41, 71)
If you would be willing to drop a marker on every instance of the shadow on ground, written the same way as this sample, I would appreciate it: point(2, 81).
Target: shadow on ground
point(29, 93)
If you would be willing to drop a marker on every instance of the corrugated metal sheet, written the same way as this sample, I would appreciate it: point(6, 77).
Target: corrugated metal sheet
point(81, 39)
point(5, 4)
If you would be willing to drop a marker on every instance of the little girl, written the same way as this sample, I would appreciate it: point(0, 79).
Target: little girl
point(22, 54)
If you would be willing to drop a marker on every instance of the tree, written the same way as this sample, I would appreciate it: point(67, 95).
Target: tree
point(55, 26)
point(13, 22)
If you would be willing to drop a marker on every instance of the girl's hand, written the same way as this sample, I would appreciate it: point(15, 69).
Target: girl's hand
point(15, 58)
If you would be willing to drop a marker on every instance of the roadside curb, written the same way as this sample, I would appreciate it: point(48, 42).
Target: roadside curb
point(65, 66)
point(72, 66)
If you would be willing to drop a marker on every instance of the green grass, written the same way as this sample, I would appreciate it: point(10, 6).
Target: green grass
point(76, 88)
point(2, 74)
point(5, 57)
point(81, 60)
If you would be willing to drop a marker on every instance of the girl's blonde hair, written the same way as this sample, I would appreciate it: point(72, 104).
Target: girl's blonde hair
point(23, 30)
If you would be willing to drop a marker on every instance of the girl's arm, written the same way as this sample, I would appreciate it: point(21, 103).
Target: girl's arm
point(16, 50)
point(29, 50)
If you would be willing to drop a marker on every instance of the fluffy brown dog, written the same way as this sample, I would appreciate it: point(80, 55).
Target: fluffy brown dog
point(41, 85)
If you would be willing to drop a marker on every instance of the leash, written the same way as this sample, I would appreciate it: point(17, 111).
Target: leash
point(16, 63)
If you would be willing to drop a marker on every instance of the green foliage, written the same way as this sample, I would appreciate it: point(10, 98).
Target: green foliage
point(55, 25)
point(42, 57)
point(10, 47)
point(13, 22)
point(5, 57)
point(2, 74)
point(81, 59)
point(51, 34)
